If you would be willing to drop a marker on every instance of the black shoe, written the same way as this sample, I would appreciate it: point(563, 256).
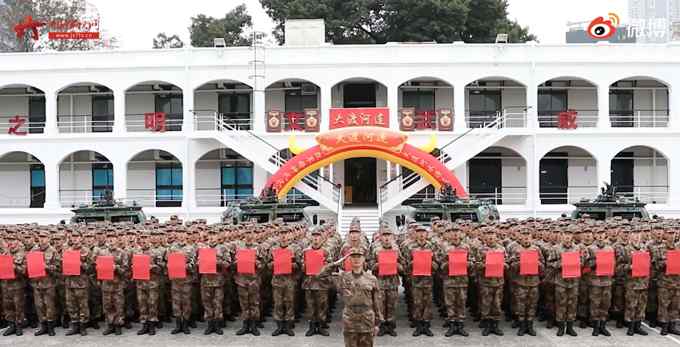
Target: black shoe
point(426, 329)
point(253, 328)
point(217, 327)
point(672, 329)
point(419, 328)
point(560, 328)
point(453, 329)
point(596, 329)
point(65, 323)
point(522, 328)
point(11, 330)
point(145, 328)
point(312, 329)
point(570, 329)
point(75, 328)
point(583, 324)
point(118, 330)
point(638, 329)
point(391, 326)
point(321, 330)
point(530, 328)
point(495, 329)
point(50, 328)
point(289, 326)
point(43, 329)
point(109, 330)
point(192, 323)
point(664, 328)
point(382, 330)
point(550, 323)
point(210, 329)
point(461, 329)
point(631, 329)
point(516, 324)
point(279, 328)
point(152, 329)
point(487, 327)
point(619, 324)
point(94, 324)
point(185, 327)
point(603, 328)
point(19, 331)
point(83, 329)
point(179, 326)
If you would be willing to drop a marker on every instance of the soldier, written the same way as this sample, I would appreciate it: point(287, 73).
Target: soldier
point(525, 286)
point(362, 313)
point(283, 287)
point(44, 288)
point(113, 291)
point(636, 286)
point(668, 292)
point(212, 285)
point(316, 292)
point(600, 286)
point(583, 310)
point(421, 285)
point(77, 288)
point(248, 286)
point(566, 287)
point(13, 289)
point(148, 290)
point(490, 288)
point(455, 286)
point(388, 284)
point(181, 287)
point(93, 240)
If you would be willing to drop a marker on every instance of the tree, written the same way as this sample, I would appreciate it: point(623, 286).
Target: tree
point(232, 28)
point(380, 21)
point(164, 41)
point(13, 12)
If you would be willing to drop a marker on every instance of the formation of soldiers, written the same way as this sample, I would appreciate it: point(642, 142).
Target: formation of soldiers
point(563, 272)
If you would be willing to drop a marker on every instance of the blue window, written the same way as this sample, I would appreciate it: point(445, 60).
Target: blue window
point(37, 186)
point(102, 181)
point(237, 181)
point(168, 185)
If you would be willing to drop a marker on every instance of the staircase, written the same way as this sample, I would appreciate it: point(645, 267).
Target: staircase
point(266, 156)
point(369, 217)
point(455, 153)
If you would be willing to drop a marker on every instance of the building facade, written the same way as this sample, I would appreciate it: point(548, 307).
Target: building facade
point(535, 127)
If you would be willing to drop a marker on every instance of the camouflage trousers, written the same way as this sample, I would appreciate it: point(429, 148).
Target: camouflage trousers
point(636, 304)
point(618, 298)
point(389, 304)
point(13, 304)
point(668, 300)
point(525, 301)
point(358, 339)
point(45, 304)
point(77, 304)
point(455, 299)
point(147, 300)
point(600, 301)
point(113, 303)
point(95, 301)
point(566, 301)
point(284, 301)
point(490, 302)
point(212, 298)
point(180, 292)
point(248, 298)
point(583, 308)
point(316, 307)
point(422, 303)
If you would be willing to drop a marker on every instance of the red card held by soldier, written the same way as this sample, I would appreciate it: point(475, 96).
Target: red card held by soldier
point(641, 264)
point(494, 264)
point(422, 263)
point(314, 261)
point(141, 267)
point(177, 266)
point(71, 263)
point(571, 264)
point(387, 263)
point(283, 261)
point(207, 261)
point(528, 262)
point(35, 263)
point(7, 267)
point(105, 267)
point(458, 262)
point(604, 263)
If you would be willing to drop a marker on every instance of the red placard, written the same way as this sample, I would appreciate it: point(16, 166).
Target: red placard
point(528, 262)
point(493, 264)
point(141, 267)
point(352, 117)
point(673, 262)
point(245, 261)
point(315, 260)
point(422, 263)
point(7, 267)
point(571, 264)
point(347, 264)
point(35, 263)
point(604, 263)
point(387, 263)
point(70, 263)
point(641, 264)
point(105, 265)
point(458, 262)
point(283, 261)
point(207, 261)
point(177, 266)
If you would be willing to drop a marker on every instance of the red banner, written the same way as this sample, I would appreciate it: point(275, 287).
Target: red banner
point(283, 261)
point(422, 263)
point(528, 262)
point(387, 263)
point(357, 117)
point(71, 263)
point(35, 263)
point(7, 268)
point(571, 265)
point(673, 262)
point(105, 266)
point(458, 262)
point(207, 260)
point(315, 260)
point(245, 261)
point(141, 267)
point(641, 264)
point(604, 263)
point(493, 264)
point(177, 266)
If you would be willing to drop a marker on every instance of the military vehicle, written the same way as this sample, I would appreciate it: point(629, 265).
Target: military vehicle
point(449, 207)
point(108, 210)
point(266, 209)
point(608, 205)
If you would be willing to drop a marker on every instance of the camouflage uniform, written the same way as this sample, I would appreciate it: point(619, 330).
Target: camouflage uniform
point(566, 289)
point(600, 291)
point(248, 288)
point(389, 286)
point(77, 292)
point(525, 293)
point(636, 290)
point(13, 299)
point(44, 288)
point(283, 292)
point(113, 291)
point(148, 290)
point(180, 290)
point(421, 286)
point(668, 289)
point(455, 289)
point(490, 291)
point(316, 296)
point(212, 290)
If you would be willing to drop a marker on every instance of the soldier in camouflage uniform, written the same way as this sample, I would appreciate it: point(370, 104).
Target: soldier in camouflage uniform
point(490, 288)
point(91, 241)
point(44, 288)
point(600, 287)
point(283, 288)
point(455, 287)
point(421, 286)
point(77, 288)
point(248, 286)
point(583, 310)
point(668, 285)
point(212, 285)
point(13, 289)
point(566, 288)
point(316, 290)
point(148, 290)
point(636, 287)
point(525, 301)
point(388, 284)
point(113, 291)
point(180, 291)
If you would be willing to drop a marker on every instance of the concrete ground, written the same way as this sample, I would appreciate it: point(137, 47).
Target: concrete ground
point(163, 338)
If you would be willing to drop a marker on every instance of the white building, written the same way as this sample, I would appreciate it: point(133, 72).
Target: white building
point(86, 130)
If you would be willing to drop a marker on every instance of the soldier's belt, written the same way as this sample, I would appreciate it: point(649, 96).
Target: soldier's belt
point(358, 309)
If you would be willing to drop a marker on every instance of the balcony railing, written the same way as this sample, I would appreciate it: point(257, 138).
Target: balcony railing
point(83, 123)
point(516, 119)
point(136, 122)
point(566, 195)
point(639, 119)
point(583, 119)
point(205, 120)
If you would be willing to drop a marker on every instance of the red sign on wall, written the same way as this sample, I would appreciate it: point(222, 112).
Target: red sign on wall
point(154, 121)
point(358, 117)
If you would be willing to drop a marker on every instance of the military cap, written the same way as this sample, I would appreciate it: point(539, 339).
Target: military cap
point(75, 233)
point(44, 233)
point(354, 227)
point(421, 227)
point(112, 233)
point(316, 231)
point(385, 229)
point(356, 251)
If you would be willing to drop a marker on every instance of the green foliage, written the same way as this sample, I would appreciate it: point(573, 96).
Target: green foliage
point(232, 28)
point(164, 41)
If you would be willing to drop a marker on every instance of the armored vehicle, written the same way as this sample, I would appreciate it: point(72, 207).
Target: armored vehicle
point(608, 205)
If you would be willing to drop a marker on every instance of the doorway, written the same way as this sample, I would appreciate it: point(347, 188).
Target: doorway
point(623, 173)
point(360, 182)
point(485, 177)
point(554, 180)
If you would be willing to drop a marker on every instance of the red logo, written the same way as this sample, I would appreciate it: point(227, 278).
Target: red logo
point(18, 122)
point(60, 29)
point(601, 29)
point(27, 24)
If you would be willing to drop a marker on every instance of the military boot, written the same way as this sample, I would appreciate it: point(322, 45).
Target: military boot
point(279, 328)
point(522, 328)
point(382, 329)
point(312, 329)
point(560, 328)
point(321, 330)
point(672, 328)
point(603, 328)
point(530, 328)
point(631, 329)
point(50, 328)
point(392, 326)
point(75, 328)
point(570, 329)
point(638, 329)
point(19, 331)
point(487, 327)
point(43, 329)
point(217, 326)
point(288, 325)
point(253, 328)
point(453, 329)
point(152, 329)
point(419, 328)
point(596, 328)
point(11, 330)
point(109, 330)
point(495, 329)
point(179, 326)
point(461, 329)
point(83, 329)
point(144, 329)
point(185, 327)
point(210, 329)
point(664, 328)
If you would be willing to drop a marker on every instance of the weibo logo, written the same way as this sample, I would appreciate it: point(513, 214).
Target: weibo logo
point(601, 29)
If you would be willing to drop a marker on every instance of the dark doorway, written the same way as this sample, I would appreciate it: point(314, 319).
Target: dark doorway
point(360, 181)
point(359, 95)
point(486, 177)
point(623, 172)
point(553, 179)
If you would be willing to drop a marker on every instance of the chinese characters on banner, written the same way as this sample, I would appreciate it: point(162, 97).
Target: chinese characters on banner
point(358, 117)
point(15, 124)
point(154, 121)
point(307, 121)
point(567, 120)
point(411, 119)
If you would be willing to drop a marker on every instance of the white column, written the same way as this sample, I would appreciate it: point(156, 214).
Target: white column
point(258, 115)
point(532, 106)
point(52, 185)
point(603, 108)
point(673, 106)
point(533, 183)
point(325, 106)
point(604, 170)
point(673, 178)
point(120, 171)
point(459, 108)
point(51, 113)
point(393, 104)
point(188, 106)
point(119, 112)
